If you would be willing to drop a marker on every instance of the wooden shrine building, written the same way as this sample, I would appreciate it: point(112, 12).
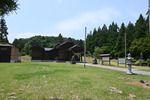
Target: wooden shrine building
point(60, 52)
point(9, 52)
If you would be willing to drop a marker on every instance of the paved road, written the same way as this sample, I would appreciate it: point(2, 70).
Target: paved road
point(137, 71)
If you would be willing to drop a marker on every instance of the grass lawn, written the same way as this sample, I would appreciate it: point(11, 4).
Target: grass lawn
point(148, 70)
point(44, 80)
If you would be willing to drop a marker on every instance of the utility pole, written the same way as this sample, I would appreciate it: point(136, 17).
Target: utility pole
point(125, 49)
point(85, 47)
point(148, 13)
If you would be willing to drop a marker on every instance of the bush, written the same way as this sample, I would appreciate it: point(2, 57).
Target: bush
point(148, 62)
point(134, 60)
point(137, 63)
point(144, 63)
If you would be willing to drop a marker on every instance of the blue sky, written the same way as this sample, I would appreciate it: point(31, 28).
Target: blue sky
point(70, 17)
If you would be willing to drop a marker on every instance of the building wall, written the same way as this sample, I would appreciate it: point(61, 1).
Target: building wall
point(5, 53)
point(15, 54)
point(37, 53)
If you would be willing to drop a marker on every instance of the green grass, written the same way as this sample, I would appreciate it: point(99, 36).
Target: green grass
point(42, 80)
point(148, 70)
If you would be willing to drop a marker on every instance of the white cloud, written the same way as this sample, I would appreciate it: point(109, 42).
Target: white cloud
point(26, 35)
point(11, 37)
point(87, 19)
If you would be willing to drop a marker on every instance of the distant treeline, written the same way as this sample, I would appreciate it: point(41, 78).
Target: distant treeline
point(112, 39)
point(44, 41)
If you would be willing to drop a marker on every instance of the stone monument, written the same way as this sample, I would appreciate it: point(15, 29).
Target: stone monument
point(130, 63)
point(141, 59)
point(73, 60)
point(94, 60)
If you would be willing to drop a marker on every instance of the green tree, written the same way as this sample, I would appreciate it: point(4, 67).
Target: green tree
point(100, 39)
point(129, 35)
point(80, 42)
point(140, 30)
point(104, 35)
point(95, 38)
point(100, 50)
point(7, 6)
point(120, 44)
point(3, 30)
point(89, 44)
point(146, 24)
point(140, 45)
point(60, 37)
point(112, 36)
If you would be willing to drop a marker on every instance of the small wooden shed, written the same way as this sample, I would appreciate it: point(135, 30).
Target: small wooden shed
point(9, 52)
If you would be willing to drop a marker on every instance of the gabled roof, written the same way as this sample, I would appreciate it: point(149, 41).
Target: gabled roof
point(68, 40)
point(105, 55)
point(37, 46)
point(76, 45)
point(45, 49)
point(58, 43)
point(3, 43)
point(73, 47)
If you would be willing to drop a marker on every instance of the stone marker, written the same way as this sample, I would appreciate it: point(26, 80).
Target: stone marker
point(130, 63)
point(73, 60)
point(95, 60)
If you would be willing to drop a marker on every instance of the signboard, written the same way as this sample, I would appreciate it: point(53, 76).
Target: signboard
point(121, 61)
point(105, 58)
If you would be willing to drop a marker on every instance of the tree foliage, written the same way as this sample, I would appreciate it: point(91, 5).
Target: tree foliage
point(102, 50)
point(3, 30)
point(7, 6)
point(113, 38)
point(140, 45)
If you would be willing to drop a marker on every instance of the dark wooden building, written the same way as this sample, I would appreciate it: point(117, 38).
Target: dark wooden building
point(61, 52)
point(9, 52)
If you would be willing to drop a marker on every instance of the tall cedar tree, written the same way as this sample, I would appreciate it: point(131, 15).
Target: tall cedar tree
point(7, 6)
point(146, 24)
point(89, 44)
point(105, 35)
point(100, 39)
point(112, 35)
point(3, 30)
point(140, 28)
point(129, 35)
point(95, 39)
point(120, 44)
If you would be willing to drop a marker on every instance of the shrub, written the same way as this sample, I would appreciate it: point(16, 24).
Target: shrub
point(134, 60)
point(144, 63)
point(137, 63)
point(148, 62)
